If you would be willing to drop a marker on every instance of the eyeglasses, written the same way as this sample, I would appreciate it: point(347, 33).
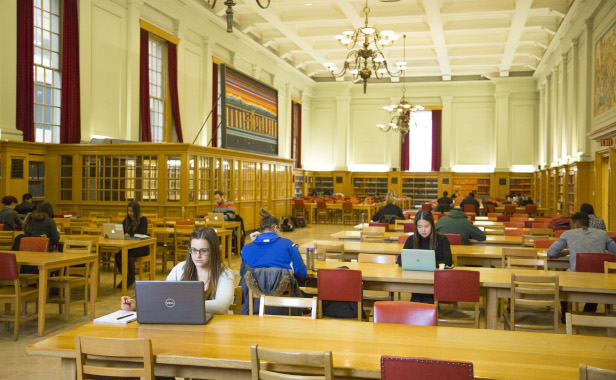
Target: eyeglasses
point(202, 251)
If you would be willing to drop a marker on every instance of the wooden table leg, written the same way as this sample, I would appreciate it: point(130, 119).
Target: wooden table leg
point(68, 369)
point(124, 270)
point(42, 299)
point(153, 260)
point(93, 288)
point(491, 312)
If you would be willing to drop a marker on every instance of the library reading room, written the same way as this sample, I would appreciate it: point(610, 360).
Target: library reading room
point(308, 189)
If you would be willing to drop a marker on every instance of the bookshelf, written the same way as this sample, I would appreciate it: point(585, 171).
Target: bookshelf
point(467, 185)
point(369, 185)
point(36, 180)
point(323, 184)
point(421, 189)
point(298, 182)
point(562, 190)
point(520, 185)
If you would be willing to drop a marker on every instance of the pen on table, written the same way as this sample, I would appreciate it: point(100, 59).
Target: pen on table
point(124, 316)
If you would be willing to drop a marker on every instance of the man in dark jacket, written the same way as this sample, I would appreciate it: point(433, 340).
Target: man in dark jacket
point(470, 200)
point(26, 205)
point(390, 209)
point(456, 222)
point(444, 203)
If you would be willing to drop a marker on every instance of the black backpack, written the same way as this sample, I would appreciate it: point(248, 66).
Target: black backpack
point(389, 219)
point(286, 224)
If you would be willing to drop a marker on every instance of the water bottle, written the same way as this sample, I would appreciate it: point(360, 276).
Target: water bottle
point(183, 213)
point(310, 258)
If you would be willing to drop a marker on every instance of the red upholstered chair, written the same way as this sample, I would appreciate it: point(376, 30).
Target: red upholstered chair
point(510, 209)
point(613, 235)
point(409, 227)
point(321, 211)
point(540, 225)
point(519, 232)
point(592, 261)
point(453, 285)
point(518, 219)
point(494, 214)
point(554, 216)
point(528, 224)
point(299, 209)
point(470, 216)
point(543, 243)
point(395, 368)
point(14, 296)
point(340, 285)
point(488, 208)
point(1, 227)
point(34, 244)
point(454, 239)
point(520, 215)
point(386, 225)
point(543, 220)
point(557, 233)
point(184, 222)
point(502, 218)
point(514, 224)
point(531, 209)
point(426, 206)
point(403, 238)
point(405, 313)
point(469, 208)
point(347, 212)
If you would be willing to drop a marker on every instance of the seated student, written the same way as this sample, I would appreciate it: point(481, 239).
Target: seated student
point(456, 222)
point(581, 238)
point(224, 207)
point(133, 224)
point(470, 200)
point(8, 217)
point(594, 221)
point(389, 210)
point(268, 250)
point(40, 223)
point(26, 205)
point(426, 237)
point(444, 203)
point(203, 263)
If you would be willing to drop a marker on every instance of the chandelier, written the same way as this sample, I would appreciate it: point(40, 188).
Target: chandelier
point(230, 4)
point(402, 119)
point(363, 61)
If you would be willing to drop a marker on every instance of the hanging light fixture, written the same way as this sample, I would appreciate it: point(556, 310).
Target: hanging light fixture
point(363, 61)
point(230, 4)
point(402, 119)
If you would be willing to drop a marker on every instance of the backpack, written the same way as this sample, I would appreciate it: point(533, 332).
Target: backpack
point(560, 224)
point(389, 219)
point(299, 221)
point(286, 224)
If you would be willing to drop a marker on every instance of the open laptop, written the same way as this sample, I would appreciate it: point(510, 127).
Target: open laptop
point(113, 231)
point(216, 217)
point(171, 302)
point(418, 259)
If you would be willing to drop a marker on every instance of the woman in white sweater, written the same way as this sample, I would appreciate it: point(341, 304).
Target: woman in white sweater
point(203, 263)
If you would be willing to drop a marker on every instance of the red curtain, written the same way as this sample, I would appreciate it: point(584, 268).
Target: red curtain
point(436, 140)
point(299, 135)
point(296, 128)
point(214, 105)
point(70, 120)
point(404, 153)
point(24, 117)
point(144, 87)
point(173, 89)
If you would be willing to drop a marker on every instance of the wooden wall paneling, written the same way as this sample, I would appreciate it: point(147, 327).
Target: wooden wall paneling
point(611, 190)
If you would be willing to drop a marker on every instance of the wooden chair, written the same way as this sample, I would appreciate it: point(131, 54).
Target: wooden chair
point(376, 295)
point(509, 209)
point(609, 267)
point(540, 225)
point(384, 225)
point(608, 322)
point(520, 215)
point(529, 240)
point(77, 227)
point(405, 313)
point(373, 235)
point(321, 211)
point(68, 281)
point(315, 361)
point(347, 213)
point(340, 285)
point(527, 263)
point(136, 350)
point(236, 306)
point(531, 209)
point(6, 240)
point(426, 206)
point(1, 227)
point(34, 244)
point(299, 209)
point(181, 239)
point(494, 214)
point(13, 295)
point(514, 224)
point(594, 373)
point(409, 227)
point(454, 239)
point(518, 219)
point(332, 251)
point(518, 253)
point(543, 243)
point(534, 303)
point(290, 302)
point(453, 286)
point(541, 231)
point(394, 368)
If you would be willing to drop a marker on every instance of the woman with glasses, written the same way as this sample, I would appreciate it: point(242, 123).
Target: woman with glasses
point(203, 263)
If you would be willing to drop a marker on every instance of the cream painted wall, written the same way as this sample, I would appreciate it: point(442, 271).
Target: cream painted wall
point(566, 77)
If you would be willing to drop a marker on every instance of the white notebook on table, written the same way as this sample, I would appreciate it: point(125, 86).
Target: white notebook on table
point(120, 317)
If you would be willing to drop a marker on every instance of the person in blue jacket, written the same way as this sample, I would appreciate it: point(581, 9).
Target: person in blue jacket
point(269, 250)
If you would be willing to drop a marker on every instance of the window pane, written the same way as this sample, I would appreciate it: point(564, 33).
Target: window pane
point(55, 42)
point(55, 24)
point(46, 20)
point(46, 39)
point(39, 113)
point(55, 64)
point(39, 94)
point(38, 36)
point(48, 92)
point(38, 56)
point(420, 157)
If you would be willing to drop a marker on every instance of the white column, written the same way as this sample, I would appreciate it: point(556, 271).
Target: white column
point(548, 120)
point(574, 125)
point(180, 32)
point(8, 72)
point(287, 119)
point(341, 133)
point(541, 145)
point(565, 121)
point(448, 135)
point(554, 127)
point(283, 126)
point(583, 140)
point(206, 88)
point(85, 68)
point(131, 129)
point(503, 156)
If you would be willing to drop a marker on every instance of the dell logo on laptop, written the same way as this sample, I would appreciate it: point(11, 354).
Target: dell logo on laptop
point(170, 302)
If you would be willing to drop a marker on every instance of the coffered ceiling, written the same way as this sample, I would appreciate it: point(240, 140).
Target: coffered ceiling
point(445, 38)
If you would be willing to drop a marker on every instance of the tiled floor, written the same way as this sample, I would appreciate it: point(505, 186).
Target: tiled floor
point(19, 366)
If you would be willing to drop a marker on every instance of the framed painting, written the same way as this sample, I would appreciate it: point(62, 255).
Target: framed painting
point(249, 113)
point(604, 110)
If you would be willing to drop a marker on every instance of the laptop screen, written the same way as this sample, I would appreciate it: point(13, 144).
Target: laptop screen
point(171, 302)
point(113, 231)
point(418, 259)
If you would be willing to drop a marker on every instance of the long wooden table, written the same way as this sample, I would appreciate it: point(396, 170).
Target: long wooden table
point(486, 256)
point(496, 282)
point(391, 237)
point(510, 241)
point(124, 246)
point(48, 262)
point(222, 347)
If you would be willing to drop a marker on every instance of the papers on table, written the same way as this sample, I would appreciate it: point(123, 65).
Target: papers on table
point(120, 316)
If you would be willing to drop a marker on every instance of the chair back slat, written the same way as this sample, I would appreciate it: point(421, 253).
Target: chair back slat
point(290, 302)
point(8, 266)
point(521, 253)
point(405, 313)
point(113, 348)
point(326, 251)
point(321, 361)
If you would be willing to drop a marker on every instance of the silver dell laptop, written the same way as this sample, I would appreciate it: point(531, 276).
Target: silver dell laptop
point(171, 302)
point(418, 259)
